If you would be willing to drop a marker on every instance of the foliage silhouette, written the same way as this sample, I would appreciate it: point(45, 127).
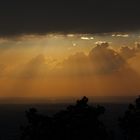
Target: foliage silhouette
point(79, 121)
point(130, 122)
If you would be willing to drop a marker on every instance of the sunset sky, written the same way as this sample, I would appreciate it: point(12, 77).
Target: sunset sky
point(69, 48)
point(63, 65)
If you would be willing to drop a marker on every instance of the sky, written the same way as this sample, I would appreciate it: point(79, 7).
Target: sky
point(69, 48)
point(68, 65)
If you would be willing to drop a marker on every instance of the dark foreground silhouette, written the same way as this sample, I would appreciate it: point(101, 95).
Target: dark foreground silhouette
point(130, 122)
point(79, 121)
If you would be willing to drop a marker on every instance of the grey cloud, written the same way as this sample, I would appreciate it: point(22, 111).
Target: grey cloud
point(104, 59)
point(101, 60)
point(127, 52)
point(76, 64)
point(90, 16)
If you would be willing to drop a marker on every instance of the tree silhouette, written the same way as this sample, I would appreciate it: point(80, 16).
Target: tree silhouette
point(130, 122)
point(79, 121)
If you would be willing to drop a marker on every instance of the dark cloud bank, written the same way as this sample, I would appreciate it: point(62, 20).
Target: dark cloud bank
point(90, 16)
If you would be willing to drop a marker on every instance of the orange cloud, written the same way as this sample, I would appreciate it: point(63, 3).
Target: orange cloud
point(102, 71)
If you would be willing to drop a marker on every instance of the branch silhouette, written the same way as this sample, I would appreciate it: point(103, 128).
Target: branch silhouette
point(79, 121)
point(130, 122)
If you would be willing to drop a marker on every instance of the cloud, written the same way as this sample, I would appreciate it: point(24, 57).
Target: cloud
point(105, 60)
point(100, 60)
point(2, 70)
point(120, 35)
point(104, 71)
point(87, 38)
point(43, 17)
point(100, 71)
point(99, 42)
point(35, 68)
point(77, 63)
point(127, 52)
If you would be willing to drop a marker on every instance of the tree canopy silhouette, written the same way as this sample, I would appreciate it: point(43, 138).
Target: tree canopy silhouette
point(79, 121)
point(130, 122)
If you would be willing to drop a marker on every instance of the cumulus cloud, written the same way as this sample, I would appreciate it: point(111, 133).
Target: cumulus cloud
point(100, 60)
point(77, 63)
point(127, 52)
point(137, 45)
point(104, 59)
point(65, 65)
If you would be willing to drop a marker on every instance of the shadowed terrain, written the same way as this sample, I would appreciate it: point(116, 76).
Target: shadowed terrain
point(79, 121)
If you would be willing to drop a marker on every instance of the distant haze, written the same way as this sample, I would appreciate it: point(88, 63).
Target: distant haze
point(70, 65)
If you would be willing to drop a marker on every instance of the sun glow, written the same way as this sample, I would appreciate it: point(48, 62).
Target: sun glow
point(68, 64)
